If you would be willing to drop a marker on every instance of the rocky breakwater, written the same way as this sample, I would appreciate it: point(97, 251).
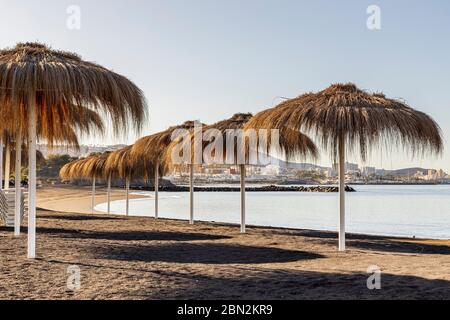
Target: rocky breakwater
point(271, 188)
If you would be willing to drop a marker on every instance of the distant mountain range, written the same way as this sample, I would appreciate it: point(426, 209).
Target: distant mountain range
point(310, 166)
point(407, 171)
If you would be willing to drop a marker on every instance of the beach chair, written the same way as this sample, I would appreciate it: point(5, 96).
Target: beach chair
point(7, 204)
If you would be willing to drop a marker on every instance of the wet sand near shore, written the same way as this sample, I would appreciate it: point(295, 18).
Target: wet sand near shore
point(143, 258)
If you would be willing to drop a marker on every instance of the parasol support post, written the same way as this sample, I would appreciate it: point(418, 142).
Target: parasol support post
point(156, 190)
point(32, 123)
point(242, 171)
point(127, 187)
point(1, 163)
point(93, 196)
point(109, 194)
point(191, 194)
point(7, 165)
point(17, 182)
point(341, 194)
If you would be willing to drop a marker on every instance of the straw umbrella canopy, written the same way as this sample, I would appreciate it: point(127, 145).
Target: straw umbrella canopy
point(290, 143)
point(346, 117)
point(75, 171)
point(94, 167)
point(152, 149)
point(236, 122)
point(119, 164)
point(89, 122)
point(72, 170)
point(61, 127)
point(36, 80)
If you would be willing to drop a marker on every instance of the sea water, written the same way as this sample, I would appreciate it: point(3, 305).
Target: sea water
point(421, 211)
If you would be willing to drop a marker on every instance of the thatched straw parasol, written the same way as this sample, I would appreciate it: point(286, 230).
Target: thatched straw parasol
point(343, 115)
point(36, 80)
point(228, 131)
point(94, 167)
point(90, 168)
point(120, 164)
point(74, 171)
point(235, 122)
point(152, 149)
point(288, 142)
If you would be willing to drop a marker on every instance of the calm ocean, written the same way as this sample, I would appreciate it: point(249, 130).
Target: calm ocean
point(420, 211)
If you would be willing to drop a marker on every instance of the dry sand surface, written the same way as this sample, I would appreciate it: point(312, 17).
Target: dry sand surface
point(144, 258)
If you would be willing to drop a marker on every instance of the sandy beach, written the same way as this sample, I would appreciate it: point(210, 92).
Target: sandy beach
point(144, 258)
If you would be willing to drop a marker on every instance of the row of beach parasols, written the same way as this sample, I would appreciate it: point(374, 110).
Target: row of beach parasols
point(343, 118)
point(151, 157)
point(56, 96)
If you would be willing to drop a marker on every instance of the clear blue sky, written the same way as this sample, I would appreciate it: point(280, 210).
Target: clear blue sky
point(209, 59)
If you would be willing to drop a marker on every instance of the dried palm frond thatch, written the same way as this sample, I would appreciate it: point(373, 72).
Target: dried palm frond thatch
point(60, 127)
point(87, 168)
point(72, 170)
point(95, 166)
point(236, 122)
point(120, 164)
point(343, 116)
point(363, 120)
point(37, 83)
point(291, 142)
point(63, 85)
point(152, 148)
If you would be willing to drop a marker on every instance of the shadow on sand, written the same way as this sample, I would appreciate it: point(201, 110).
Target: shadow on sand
point(241, 282)
point(373, 243)
point(123, 235)
point(289, 284)
point(76, 217)
point(205, 253)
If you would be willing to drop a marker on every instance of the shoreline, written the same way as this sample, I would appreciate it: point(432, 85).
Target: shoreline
point(252, 226)
point(78, 200)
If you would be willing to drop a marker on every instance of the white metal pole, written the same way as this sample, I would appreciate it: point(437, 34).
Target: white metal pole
point(109, 194)
point(32, 177)
point(1, 163)
point(156, 189)
point(7, 165)
point(17, 186)
point(127, 187)
point(242, 169)
point(341, 195)
point(191, 194)
point(93, 196)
